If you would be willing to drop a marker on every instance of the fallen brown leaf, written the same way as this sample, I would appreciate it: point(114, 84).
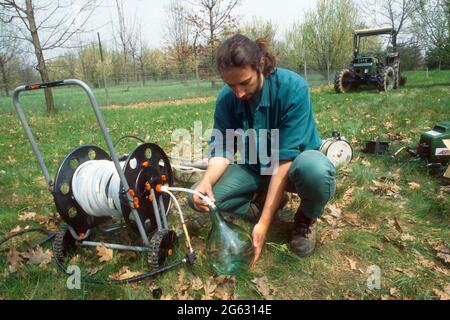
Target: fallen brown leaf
point(14, 260)
point(39, 256)
point(385, 189)
point(348, 196)
point(423, 261)
point(324, 234)
point(25, 216)
point(393, 291)
point(335, 233)
point(388, 125)
point(105, 254)
point(414, 186)
point(123, 274)
point(329, 219)
point(75, 260)
point(443, 294)
point(182, 286)
point(264, 287)
point(197, 283)
point(93, 271)
point(366, 163)
point(210, 287)
point(443, 253)
point(226, 287)
point(352, 218)
point(17, 229)
point(407, 237)
point(352, 263)
point(334, 211)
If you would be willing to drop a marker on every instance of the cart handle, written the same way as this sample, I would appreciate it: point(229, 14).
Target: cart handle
point(45, 85)
point(97, 112)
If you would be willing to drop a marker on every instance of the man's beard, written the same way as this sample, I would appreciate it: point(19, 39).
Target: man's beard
point(258, 88)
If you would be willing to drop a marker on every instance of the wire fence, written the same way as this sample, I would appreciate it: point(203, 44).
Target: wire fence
point(155, 87)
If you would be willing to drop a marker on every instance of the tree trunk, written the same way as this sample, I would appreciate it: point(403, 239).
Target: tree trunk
point(328, 73)
point(197, 75)
point(141, 64)
point(4, 77)
point(306, 74)
point(211, 39)
point(42, 68)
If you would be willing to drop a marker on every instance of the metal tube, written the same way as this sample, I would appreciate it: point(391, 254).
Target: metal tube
point(30, 136)
point(156, 210)
point(76, 236)
point(163, 212)
point(114, 246)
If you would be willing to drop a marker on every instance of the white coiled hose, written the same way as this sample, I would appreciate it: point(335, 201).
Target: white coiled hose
point(96, 186)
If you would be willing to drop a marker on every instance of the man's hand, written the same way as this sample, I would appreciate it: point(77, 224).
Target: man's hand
point(204, 188)
point(259, 237)
point(275, 192)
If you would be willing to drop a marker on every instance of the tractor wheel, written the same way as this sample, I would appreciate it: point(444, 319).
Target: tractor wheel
point(397, 78)
point(386, 79)
point(341, 83)
point(403, 81)
point(162, 245)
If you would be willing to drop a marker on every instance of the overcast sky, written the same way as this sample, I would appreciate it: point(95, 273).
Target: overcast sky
point(151, 14)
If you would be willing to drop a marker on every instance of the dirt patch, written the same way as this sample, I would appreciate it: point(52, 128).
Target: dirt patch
point(179, 102)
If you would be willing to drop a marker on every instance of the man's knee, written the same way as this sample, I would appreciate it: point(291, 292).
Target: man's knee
point(312, 170)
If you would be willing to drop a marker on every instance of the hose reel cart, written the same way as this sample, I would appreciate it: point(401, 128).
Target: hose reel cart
point(92, 187)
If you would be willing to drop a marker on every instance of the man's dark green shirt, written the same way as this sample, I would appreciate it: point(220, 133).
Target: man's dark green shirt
point(284, 104)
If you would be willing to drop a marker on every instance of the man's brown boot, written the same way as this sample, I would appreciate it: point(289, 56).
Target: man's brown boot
point(303, 239)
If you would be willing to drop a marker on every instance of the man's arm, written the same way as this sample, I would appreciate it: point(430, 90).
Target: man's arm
point(216, 168)
point(278, 184)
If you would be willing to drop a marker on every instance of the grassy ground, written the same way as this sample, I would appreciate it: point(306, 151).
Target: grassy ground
point(377, 217)
point(73, 97)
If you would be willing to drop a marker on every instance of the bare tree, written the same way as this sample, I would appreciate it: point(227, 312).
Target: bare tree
point(140, 55)
point(260, 28)
point(394, 13)
point(8, 50)
point(177, 37)
point(125, 35)
point(326, 34)
point(212, 19)
point(47, 26)
point(431, 23)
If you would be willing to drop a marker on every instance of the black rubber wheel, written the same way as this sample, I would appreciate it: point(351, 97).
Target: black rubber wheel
point(162, 245)
point(386, 79)
point(403, 81)
point(397, 77)
point(341, 81)
point(64, 244)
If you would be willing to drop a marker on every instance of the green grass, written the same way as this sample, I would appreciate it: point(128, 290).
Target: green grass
point(73, 97)
point(359, 116)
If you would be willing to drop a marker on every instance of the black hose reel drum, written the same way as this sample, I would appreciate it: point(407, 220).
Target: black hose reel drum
point(145, 169)
point(147, 164)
